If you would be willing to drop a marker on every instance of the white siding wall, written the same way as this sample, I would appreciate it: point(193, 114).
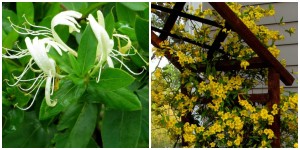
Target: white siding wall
point(288, 46)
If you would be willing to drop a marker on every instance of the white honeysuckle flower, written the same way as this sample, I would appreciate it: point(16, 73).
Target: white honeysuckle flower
point(105, 51)
point(66, 18)
point(37, 49)
point(63, 18)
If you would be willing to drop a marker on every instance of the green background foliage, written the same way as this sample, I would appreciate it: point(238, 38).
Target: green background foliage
point(111, 113)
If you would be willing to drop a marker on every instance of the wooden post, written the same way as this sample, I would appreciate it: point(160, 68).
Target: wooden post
point(274, 98)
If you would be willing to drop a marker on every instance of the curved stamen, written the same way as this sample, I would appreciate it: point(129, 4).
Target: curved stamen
point(42, 27)
point(25, 28)
point(20, 77)
point(142, 57)
point(121, 54)
point(127, 46)
point(31, 64)
point(29, 32)
point(128, 67)
point(19, 47)
point(33, 84)
point(33, 98)
point(19, 54)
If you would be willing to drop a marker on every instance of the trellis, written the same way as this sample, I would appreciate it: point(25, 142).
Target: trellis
point(276, 71)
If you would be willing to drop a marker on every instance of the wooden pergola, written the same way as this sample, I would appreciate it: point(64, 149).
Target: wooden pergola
point(265, 59)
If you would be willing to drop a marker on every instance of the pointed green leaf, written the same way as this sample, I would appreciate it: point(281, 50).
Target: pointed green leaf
point(67, 94)
point(10, 39)
point(27, 9)
point(112, 79)
point(61, 60)
point(142, 33)
point(121, 99)
point(84, 127)
point(87, 50)
point(5, 22)
point(110, 23)
point(125, 14)
point(69, 117)
point(140, 6)
point(121, 129)
point(143, 95)
point(77, 6)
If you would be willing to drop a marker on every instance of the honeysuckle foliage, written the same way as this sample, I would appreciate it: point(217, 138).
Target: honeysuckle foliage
point(212, 108)
point(75, 74)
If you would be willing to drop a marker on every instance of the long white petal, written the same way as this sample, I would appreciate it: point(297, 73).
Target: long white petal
point(100, 19)
point(49, 101)
point(110, 62)
point(38, 52)
point(105, 44)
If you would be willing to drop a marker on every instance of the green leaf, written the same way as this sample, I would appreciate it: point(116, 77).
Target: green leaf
point(112, 79)
point(142, 33)
point(61, 60)
point(281, 20)
point(31, 134)
point(121, 129)
point(69, 117)
point(121, 99)
point(91, 8)
point(5, 22)
point(77, 6)
point(75, 65)
point(137, 60)
point(110, 23)
point(125, 14)
point(27, 9)
point(10, 39)
point(84, 126)
point(14, 119)
point(146, 14)
point(87, 50)
point(140, 6)
point(143, 95)
point(67, 94)
point(128, 31)
point(92, 144)
point(61, 31)
point(53, 9)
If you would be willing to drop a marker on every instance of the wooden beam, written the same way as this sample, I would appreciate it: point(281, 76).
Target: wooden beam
point(178, 37)
point(217, 43)
point(171, 20)
point(274, 95)
point(239, 27)
point(185, 15)
point(155, 40)
point(257, 98)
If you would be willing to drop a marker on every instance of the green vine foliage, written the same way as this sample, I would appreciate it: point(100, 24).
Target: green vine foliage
point(88, 114)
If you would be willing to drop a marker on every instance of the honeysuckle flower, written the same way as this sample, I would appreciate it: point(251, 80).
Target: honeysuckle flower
point(37, 49)
point(105, 51)
point(63, 18)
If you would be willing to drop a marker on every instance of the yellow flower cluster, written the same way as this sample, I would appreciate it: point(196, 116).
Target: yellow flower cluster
point(244, 64)
point(269, 133)
point(246, 104)
point(230, 121)
point(188, 134)
point(218, 90)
